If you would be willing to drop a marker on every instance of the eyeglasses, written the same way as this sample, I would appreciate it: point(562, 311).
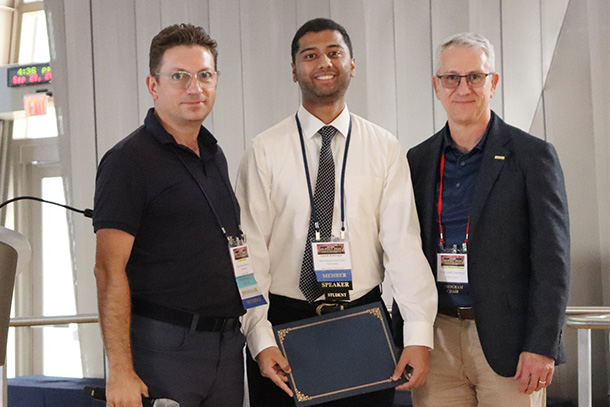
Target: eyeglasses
point(182, 79)
point(475, 79)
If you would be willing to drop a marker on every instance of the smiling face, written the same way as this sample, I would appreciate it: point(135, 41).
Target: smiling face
point(176, 106)
point(465, 105)
point(323, 67)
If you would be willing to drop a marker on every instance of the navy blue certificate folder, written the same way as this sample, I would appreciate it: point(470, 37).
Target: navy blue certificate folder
point(339, 355)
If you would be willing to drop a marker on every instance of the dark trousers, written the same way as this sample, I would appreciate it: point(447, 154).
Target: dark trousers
point(264, 393)
point(196, 369)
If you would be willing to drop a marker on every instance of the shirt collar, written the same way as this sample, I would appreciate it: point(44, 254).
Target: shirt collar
point(154, 126)
point(310, 124)
point(448, 141)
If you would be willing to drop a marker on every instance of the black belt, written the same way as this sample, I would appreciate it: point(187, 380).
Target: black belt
point(462, 313)
point(185, 319)
point(324, 307)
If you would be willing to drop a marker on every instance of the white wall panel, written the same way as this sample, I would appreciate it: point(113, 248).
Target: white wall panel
point(552, 15)
point(448, 18)
point(307, 10)
point(570, 127)
point(115, 70)
point(185, 11)
point(267, 28)
point(228, 112)
point(148, 24)
point(413, 61)
point(484, 18)
point(522, 60)
point(599, 38)
point(379, 70)
point(350, 14)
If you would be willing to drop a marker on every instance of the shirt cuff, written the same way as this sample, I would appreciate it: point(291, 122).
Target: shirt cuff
point(260, 339)
point(418, 333)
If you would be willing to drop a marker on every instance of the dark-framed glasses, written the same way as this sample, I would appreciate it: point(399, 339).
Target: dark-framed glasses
point(474, 79)
point(183, 79)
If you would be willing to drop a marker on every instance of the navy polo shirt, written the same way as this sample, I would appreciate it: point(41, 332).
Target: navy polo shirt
point(151, 187)
point(459, 181)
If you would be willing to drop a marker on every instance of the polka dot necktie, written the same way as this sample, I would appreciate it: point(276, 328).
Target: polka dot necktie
point(324, 199)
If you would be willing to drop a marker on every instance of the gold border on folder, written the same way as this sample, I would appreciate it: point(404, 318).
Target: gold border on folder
point(373, 311)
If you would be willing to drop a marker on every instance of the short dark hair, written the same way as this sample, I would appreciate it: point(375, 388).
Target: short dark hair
point(175, 35)
point(317, 25)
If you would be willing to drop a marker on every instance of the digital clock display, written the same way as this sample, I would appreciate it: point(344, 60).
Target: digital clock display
point(24, 75)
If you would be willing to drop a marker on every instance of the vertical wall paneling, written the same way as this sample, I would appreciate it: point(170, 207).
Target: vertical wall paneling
point(599, 37)
point(116, 91)
point(569, 126)
point(184, 11)
point(380, 79)
point(267, 28)
point(521, 42)
point(413, 61)
point(598, 17)
point(228, 110)
point(307, 10)
point(147, 25)
point(552, 15)
point(448, 18)
point(350, 14)
point(599, 34)
point(484, 17)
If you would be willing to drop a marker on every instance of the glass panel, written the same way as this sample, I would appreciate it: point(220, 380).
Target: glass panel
point(36, 126)
point(34, 44)
point(61, 345)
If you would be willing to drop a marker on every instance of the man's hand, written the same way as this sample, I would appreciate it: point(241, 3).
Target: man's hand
point(418, 358)
point(534, 372)
point(274, 366)
point(125, 389)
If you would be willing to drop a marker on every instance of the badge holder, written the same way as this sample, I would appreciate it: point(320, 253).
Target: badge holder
point(452, 271)
point(244, 273)
point(333, 267)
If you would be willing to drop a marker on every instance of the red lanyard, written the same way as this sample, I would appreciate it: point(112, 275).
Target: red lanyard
point(440, 208)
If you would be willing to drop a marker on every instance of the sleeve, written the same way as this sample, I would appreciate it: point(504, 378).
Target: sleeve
point(550, 252)
point(120, 194)
point(413, 283)
point(253, 193)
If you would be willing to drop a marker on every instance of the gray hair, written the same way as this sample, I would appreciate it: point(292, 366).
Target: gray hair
point(468, 40)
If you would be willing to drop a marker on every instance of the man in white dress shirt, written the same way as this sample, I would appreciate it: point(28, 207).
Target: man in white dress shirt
point(372, 209)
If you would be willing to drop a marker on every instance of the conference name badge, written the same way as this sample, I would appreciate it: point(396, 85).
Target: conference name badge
point(333, 267)
point(244, 276)
point(452, 268)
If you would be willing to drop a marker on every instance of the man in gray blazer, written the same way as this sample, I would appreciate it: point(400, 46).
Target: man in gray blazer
point(494, 223)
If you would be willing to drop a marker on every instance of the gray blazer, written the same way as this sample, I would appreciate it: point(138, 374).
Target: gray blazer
point(519, 246)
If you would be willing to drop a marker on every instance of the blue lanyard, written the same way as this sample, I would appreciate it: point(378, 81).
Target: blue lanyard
point(314, 211)
point(209, 201)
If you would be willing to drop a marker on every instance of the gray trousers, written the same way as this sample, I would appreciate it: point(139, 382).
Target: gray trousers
point(198, 369)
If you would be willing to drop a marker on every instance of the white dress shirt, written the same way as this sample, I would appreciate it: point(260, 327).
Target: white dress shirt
point(381, 220)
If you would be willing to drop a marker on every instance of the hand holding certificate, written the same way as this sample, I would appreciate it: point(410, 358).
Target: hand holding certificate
point(339, 355)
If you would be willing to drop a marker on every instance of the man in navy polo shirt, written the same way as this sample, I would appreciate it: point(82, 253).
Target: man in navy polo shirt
point(164, 210)
point(492, 205)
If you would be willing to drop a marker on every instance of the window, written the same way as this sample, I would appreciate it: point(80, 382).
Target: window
point(48, 289)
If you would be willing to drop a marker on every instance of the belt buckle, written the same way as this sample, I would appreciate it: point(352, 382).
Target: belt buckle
point(334, 308)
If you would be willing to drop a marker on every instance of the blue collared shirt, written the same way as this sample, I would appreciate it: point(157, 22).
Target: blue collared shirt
point(459, 181)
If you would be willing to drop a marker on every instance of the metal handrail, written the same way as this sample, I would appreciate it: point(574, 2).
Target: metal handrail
point(55, 320)
point(591, 310)
point(93, 318)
